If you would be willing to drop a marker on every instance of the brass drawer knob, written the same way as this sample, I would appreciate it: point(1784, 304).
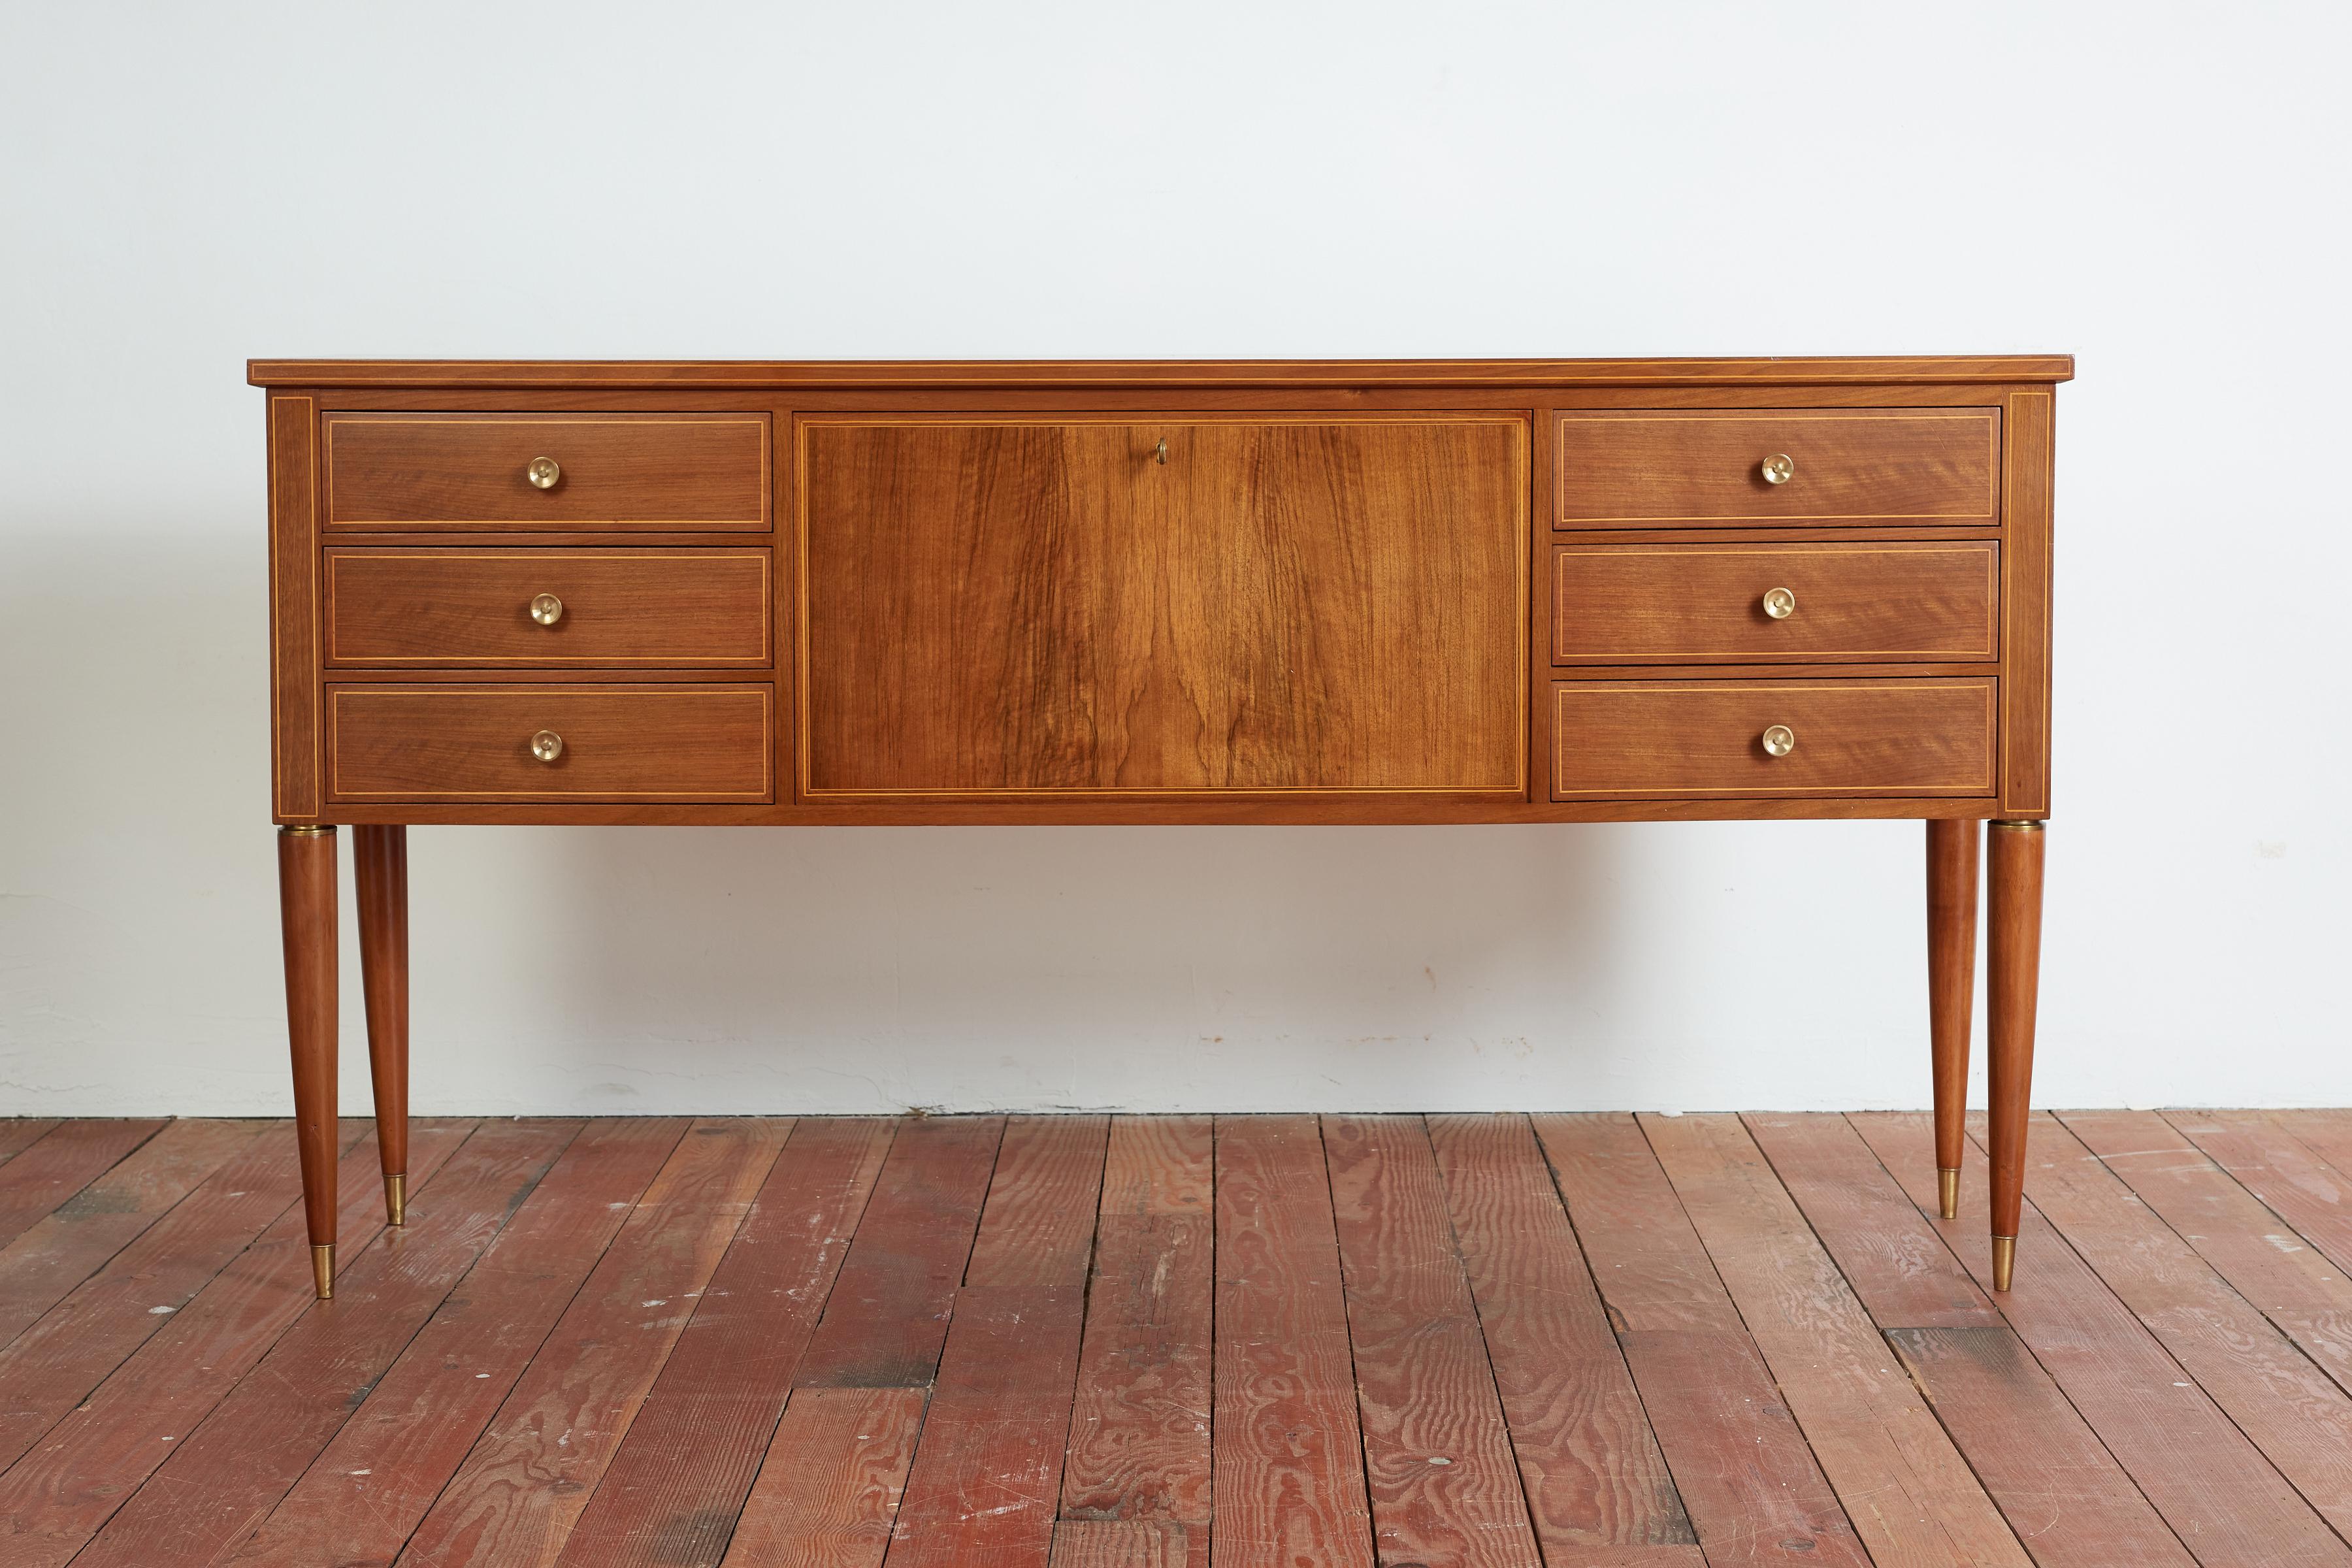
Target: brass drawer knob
point(547, 745)
point(547, 609)
point(1779, 468)
point(1779, 741)
point(544, 472)
point(1779, 602)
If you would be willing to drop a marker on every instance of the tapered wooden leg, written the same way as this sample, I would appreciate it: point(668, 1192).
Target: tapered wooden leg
point(1951, 989)
point(306, 906)
point(380, 867)
point(2014, 977)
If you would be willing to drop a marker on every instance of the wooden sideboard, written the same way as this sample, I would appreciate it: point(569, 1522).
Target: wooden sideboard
point(1160, 592)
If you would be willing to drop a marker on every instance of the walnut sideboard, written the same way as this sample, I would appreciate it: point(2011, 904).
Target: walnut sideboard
point(1160, 592)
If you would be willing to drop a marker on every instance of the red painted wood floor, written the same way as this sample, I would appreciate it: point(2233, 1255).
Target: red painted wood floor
point(1072, 1342)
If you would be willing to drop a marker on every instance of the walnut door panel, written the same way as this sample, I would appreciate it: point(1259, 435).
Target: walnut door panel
point(553, 608)
point(1708, 467)
point(1762, 739)
point(679, 472)
point(706, 742)
point(1754, 603)
point(1254, 603)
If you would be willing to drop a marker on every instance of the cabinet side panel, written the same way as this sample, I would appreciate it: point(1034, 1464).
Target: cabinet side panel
point(294, 685)
point(2025, 603)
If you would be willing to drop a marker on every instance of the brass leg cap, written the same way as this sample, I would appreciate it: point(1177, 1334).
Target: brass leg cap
point(323, 1269)
point(395, 1199)
point(2004, 1260)
point(1948, 1191)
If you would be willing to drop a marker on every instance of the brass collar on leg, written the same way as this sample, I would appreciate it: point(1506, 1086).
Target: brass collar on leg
point(395, 1199)
point(2004, 1260)
point(1948, 1191)
point(306, 830)
point(322, 1269)
point(2017, 827)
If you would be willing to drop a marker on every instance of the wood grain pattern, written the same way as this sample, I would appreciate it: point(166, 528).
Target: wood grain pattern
point(1437, 1455)
point(222, 1479)
point(19, 1133)
point(887, 1315)
point(514, 1500)
point(2294, 1413)
point(102, 1453)
point(296, 727)
point(1888, 1251)
point(362, 1496)
point(1596, 1486)
point(1289, 1457)
point(1138, 1445)
point(2063, 1493)
point(1313, 603)
point(2211, 1484)
point(2261, 1149)
point(74, 1240)
point(985, 1482)
point(1905, 1489)
point(1125, 1543)
point(1702, 467)
point(2027, 570)
point(54, 1363)
point(1705, 602)
point(722, 1389)
point(49, 1172)
point(1038, 1226)
point(643, 607)
point(1752, 1487)
point(996, 374)
point(671, 741)
point(2292, 1283)
point(643, 471)
point(1638, 739)
point(835, 1472)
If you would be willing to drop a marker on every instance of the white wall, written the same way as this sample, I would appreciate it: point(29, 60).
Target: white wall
point(2160, 190)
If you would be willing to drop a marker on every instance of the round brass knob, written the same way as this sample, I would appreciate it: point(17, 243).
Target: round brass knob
point(547, 745)
point(1160, 452)
point(544, 472)
point(1779, 741)
point(1779, 602)
point(1779, 468)
point(547, 609)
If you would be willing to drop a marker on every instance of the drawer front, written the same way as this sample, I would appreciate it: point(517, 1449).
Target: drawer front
point(1671, 739)
point(547, 608)
point(652, 742)
point(1620, 603)
point(674, 471)
point(1708, 468)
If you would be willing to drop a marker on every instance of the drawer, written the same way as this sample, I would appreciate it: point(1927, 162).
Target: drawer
point(1621, 604)
point(1708, 468)
point(1666, 740)
point(551, 608)
point(681, 742)
point(675, 471)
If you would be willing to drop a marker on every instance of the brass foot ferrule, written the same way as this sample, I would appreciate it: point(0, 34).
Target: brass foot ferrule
point(2004, 1260)
point(306, 830)
point(2017, 827)
point(322, 1269)
point(395, 1199)
point(1948, 1191)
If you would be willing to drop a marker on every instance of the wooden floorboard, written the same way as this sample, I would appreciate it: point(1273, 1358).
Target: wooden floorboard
point(2221, 1497)
point(1088, 1342)
point(1753, 1489)
point(517, 1495)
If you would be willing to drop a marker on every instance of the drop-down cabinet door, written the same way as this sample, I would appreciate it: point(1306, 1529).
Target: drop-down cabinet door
point(1041, 606)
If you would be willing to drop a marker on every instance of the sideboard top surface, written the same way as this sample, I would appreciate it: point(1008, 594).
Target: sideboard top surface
point(1942, 369)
